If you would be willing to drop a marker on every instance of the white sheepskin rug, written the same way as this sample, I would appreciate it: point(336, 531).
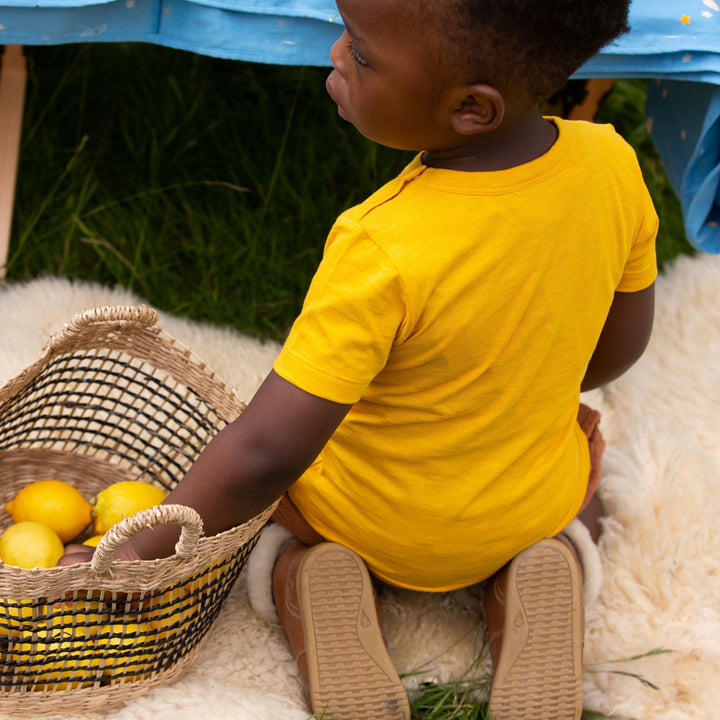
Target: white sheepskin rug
point(652, 647)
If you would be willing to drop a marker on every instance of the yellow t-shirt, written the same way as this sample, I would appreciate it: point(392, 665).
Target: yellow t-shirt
point(458, 312)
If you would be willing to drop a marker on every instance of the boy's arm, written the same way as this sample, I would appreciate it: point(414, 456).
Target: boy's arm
point(624, 337)
point(247, 466)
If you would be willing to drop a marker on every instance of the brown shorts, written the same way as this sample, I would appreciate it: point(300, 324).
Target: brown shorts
point(287, 514)
point(589, 422)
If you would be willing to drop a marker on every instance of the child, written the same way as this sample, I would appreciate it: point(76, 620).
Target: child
point(422, 417)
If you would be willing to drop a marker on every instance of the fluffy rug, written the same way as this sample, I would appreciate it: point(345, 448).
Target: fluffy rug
point(652, 622)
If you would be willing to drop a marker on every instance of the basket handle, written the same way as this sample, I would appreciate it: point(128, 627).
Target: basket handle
point(121, 532)
point(119, 314)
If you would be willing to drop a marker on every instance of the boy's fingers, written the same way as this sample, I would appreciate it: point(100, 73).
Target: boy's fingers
point(76, 554)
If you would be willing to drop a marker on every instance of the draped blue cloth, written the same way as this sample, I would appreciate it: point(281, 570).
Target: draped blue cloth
point(677, 42)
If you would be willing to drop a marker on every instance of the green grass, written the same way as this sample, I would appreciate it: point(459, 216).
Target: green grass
point(208, 186)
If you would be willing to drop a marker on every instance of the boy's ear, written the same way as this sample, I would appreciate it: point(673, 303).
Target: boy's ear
point(477, 108)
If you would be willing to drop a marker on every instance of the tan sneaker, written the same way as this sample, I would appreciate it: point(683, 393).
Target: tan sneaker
point(534, 607)
point(326, 604)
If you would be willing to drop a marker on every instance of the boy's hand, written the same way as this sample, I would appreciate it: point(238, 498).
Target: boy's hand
point(244, 469)
point(76, 554)
point(250, 463)
point(83, 553)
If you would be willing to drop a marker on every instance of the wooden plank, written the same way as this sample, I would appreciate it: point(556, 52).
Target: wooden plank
point(13, 79)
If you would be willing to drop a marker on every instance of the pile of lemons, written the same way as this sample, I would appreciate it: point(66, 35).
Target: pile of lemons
point(71, 641)
point(48, 514)
point(67, 642)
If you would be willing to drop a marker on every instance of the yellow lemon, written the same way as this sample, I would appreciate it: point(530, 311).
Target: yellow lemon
point(79, 618)
point(127, 649)
point(168, 619)
point(30, 544)
point(93, 541)
point(54, 503)
point(121, 500)
point(16, 616)
point(51, 660)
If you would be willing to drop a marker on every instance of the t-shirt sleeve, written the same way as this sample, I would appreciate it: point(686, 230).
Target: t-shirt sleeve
point(350, 318)
point(641, 266)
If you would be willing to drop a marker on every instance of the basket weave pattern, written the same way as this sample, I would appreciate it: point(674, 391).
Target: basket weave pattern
point(112, 397)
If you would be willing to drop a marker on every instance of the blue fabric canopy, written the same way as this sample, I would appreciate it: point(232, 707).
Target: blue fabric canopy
point(675, 41)
point(294, 32)
point(678, 44)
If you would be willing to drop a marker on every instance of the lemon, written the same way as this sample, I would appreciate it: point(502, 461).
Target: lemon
point(58, 649)
point(171, 617)
point(54, 503)
point(121, 500)
point(52, 660)
point(122, 646)
point(30, 544)
point(16, 616)
point(80, 618)
point(93, 541)
point(38, 660)
point(63, 619)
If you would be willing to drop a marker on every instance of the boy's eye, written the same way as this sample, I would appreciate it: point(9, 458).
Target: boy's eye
point(356, 56)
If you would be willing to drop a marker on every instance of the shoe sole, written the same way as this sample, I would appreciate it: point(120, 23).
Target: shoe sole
point(539, 672)
point(350, 674)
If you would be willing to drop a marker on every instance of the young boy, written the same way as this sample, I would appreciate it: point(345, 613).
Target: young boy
point(422, 418)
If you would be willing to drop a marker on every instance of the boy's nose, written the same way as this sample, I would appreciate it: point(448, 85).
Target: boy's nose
point(337, 57)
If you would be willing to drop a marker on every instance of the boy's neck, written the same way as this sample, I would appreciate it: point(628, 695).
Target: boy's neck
point(510, 145)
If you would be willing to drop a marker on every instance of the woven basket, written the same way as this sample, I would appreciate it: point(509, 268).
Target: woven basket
point(112, 397)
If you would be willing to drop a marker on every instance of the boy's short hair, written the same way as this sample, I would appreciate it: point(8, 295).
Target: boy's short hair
point(532, 45)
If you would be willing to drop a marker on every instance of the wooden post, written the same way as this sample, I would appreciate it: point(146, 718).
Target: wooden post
point(596, 90)
point(13, 78)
